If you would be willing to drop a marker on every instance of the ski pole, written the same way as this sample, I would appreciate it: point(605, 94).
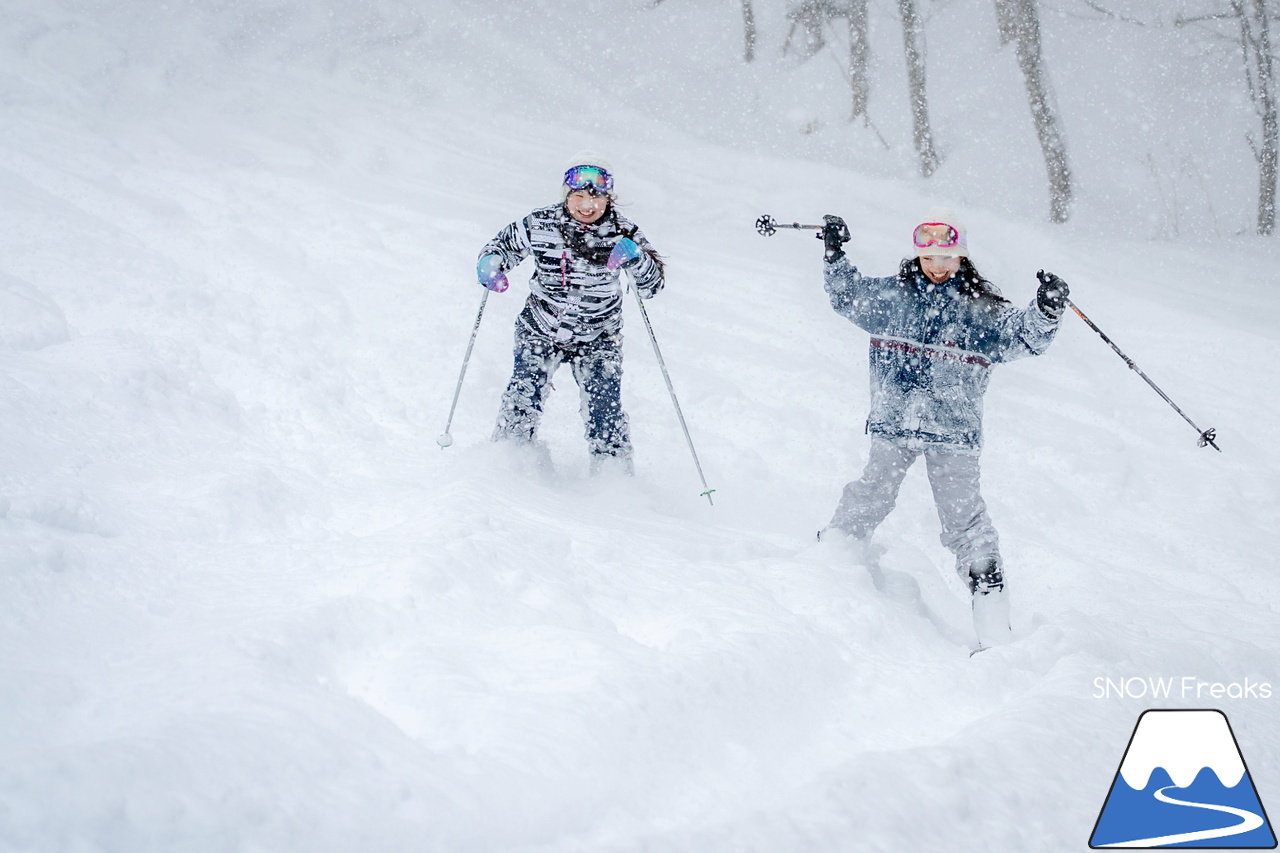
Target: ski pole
point(707, 490)
point(768, 226)
point(445, 438)
point(1207, 436)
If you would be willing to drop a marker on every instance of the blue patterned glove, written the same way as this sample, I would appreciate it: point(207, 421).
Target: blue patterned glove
point(489, 271)
point(624, 252)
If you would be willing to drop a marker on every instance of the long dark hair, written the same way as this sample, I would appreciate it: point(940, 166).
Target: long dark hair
point(973, 284)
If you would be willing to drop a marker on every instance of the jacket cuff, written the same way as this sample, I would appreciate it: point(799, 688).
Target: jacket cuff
point(1043, 319)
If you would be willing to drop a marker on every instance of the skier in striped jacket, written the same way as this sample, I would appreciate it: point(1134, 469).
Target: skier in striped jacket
point(574, 311)
point(937, 328)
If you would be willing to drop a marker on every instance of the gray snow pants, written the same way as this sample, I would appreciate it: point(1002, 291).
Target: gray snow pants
point(966, 528)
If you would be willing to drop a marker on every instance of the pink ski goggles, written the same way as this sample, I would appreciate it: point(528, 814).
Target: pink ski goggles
point(938, 234)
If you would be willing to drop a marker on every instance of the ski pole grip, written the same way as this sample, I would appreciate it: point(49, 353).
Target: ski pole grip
point(768, 226)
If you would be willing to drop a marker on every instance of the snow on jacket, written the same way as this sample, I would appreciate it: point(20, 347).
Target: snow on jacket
point(573, 295)
point(932, 348)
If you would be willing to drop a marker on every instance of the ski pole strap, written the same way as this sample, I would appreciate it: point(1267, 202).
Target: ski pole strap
point(1207, 436)
point(768, 226)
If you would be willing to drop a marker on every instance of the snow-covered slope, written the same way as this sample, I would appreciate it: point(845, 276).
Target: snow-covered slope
point(247, 603)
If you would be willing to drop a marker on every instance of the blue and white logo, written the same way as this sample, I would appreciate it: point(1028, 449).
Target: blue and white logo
point(1183, 783)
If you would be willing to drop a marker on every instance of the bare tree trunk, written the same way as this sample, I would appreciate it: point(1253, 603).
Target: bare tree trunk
point(749, 31)
point(812, 16)
point(1255, 38)
point(859, 57)
point(913, 43)
point(1020, 23)
point(1007, 20)
point(1267, 157)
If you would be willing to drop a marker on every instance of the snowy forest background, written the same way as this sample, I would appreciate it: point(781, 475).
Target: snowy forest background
point(246, 603)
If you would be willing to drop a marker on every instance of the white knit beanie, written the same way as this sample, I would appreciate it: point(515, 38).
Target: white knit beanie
point(946, 216)
point(588, 158)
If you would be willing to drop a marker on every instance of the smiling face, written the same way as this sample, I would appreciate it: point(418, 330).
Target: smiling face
point(586, 207)
point(940, 268)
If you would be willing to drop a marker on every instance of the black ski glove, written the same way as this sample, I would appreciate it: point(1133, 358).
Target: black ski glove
point(834, 235)
point(1052, 295)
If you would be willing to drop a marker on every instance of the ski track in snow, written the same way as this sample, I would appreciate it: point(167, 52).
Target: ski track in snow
point(247, 603)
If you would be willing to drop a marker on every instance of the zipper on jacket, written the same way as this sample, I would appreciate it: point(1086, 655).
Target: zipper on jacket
point(563, 332)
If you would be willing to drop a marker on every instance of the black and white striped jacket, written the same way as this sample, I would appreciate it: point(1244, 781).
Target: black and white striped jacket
point(573, 295)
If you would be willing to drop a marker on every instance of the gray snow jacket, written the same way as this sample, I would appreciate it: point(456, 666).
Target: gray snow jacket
point(932, 348)
point(573, 295)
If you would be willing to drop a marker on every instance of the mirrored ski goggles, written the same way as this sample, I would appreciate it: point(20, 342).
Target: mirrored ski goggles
point(591, 178)
point(938, 234)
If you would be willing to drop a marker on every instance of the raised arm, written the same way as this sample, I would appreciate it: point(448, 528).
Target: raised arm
point(1029, 331)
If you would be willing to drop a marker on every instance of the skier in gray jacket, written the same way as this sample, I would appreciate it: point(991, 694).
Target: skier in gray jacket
point(937, 328)
point(574, 310)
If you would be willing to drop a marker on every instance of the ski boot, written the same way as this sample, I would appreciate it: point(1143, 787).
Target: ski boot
point(990, 603)
point(611, 465)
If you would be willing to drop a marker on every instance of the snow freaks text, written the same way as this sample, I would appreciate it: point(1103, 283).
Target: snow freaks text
point(1178, 687)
